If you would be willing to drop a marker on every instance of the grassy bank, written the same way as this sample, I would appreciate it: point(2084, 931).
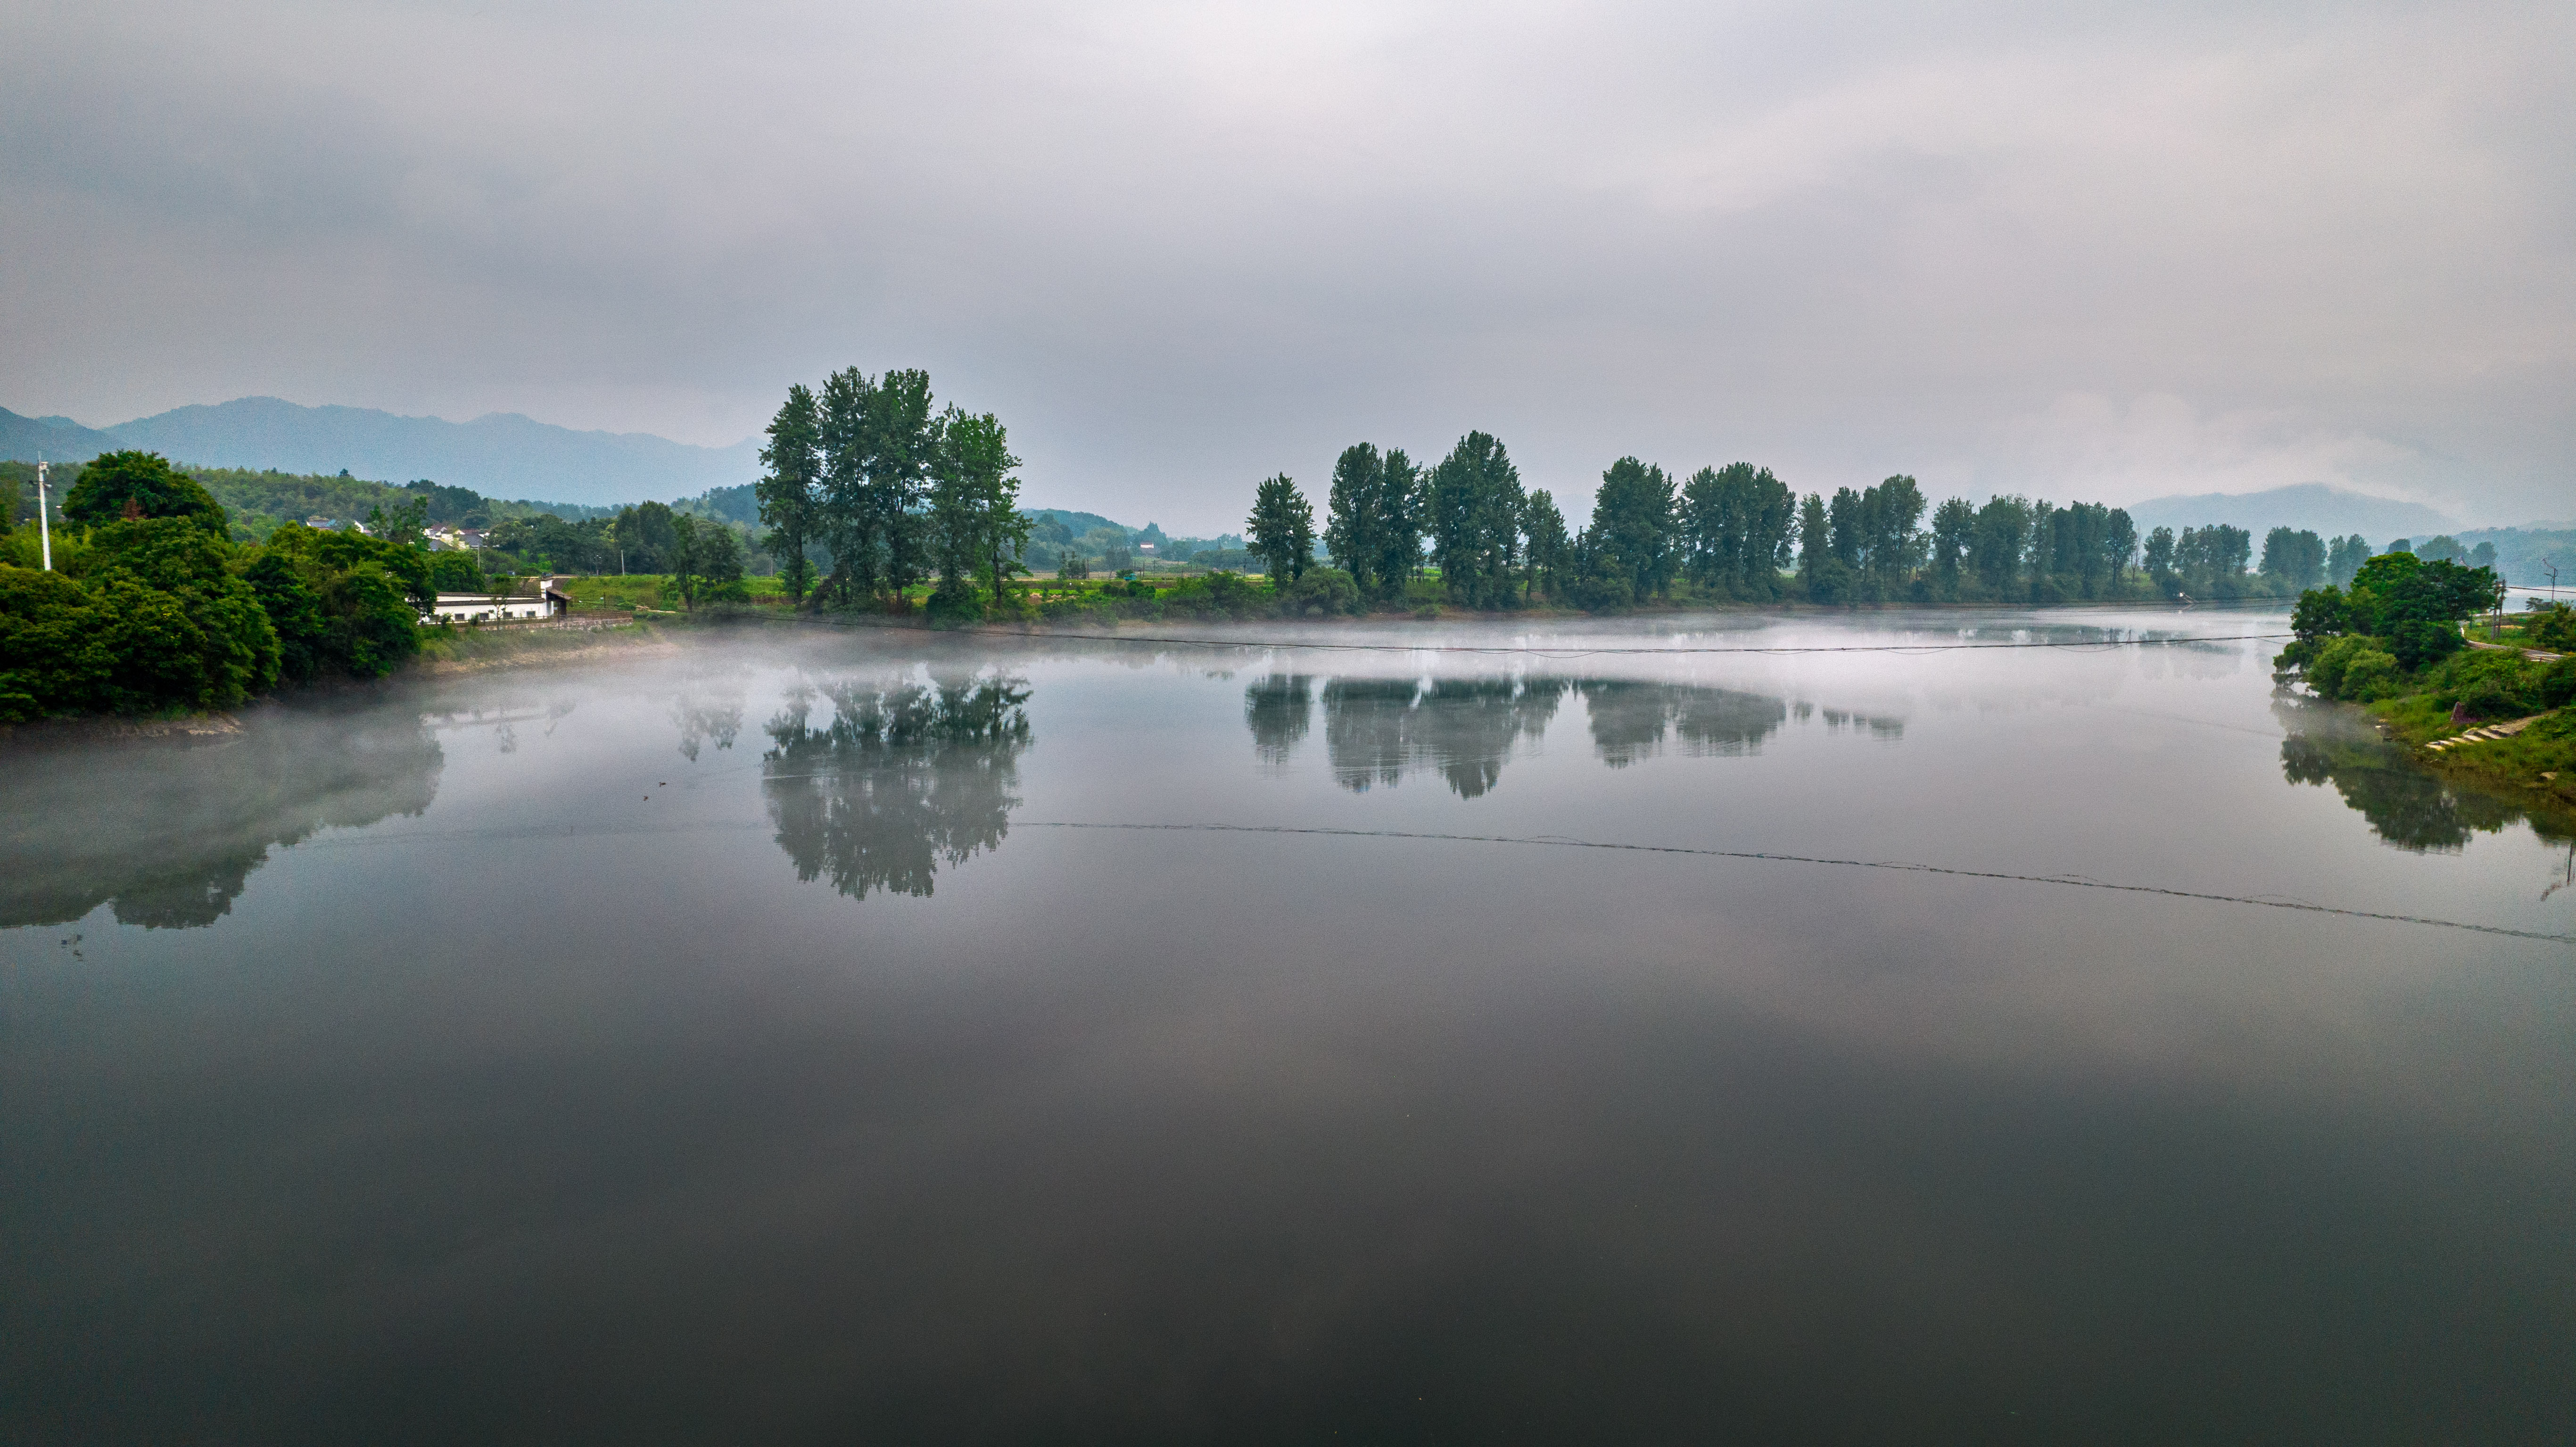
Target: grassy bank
point(2540, 760)
point(472, 650)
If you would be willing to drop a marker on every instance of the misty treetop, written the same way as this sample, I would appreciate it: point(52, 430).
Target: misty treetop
point(1739, 533)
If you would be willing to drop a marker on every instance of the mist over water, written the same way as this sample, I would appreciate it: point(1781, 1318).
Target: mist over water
point(883, 1036)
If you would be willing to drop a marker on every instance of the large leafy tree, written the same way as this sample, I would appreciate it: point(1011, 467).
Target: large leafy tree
point(2119, 544)
point(1353, 518)
point(1995, 545)
point(1403, 504)
point(852, 527)
point(1890, 544)
point(977, 530)
point(1816, 565)
point(1735, 524)
point(1281, 529)
point(1475, 516)
point(903, 444)
point(1550, 550)
point(140, 485)
point(789, 487)
point(644, 536)
point(1632, 521)
point(1954, 522)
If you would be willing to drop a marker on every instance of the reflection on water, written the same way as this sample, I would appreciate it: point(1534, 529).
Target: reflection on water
point(2405, 804)
point(1632, 720)
point(705, 716)
point(1278, 709)
point(170, 832)
point(565, 1114)
point(905, 774)
point(1377, 730)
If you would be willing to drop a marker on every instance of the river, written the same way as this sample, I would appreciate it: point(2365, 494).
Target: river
point(1615, 1036)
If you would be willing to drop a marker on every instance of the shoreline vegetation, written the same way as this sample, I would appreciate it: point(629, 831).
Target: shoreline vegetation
point(876, 506)
point(2400, 643)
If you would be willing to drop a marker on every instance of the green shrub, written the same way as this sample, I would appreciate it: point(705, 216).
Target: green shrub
point(2556, 686)
point(2325, 668)
point(2492, 697)
point(2551, 626)
point(2419, 641)
point(1320, 592)
point(2369, 674)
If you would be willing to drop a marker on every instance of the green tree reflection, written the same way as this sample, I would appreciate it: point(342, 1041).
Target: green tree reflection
point(1279, 710)
point(2406, 805)
point(1636, 720)
point(904, 776)
point(1377, 730)
point(168, 832)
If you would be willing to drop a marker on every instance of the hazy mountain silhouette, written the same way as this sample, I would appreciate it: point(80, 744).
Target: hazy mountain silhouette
point(2330, 511)
point(52, 439)
point(500, 455)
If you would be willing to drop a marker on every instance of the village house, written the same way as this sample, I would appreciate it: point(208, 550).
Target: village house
point(547, 602)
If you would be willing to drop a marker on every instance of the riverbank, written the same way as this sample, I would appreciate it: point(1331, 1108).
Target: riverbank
point(2539, 759)
point(449, 651)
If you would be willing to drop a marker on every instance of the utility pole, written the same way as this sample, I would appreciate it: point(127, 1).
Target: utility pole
point(44, 528)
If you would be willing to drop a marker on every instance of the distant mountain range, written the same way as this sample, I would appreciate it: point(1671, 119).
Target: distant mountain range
point(2329, 511)
point(500, 455)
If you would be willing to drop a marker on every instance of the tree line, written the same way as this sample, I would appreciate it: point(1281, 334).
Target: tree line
point(1738, 533)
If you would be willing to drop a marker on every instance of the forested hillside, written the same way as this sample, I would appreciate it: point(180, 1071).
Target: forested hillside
point(256, 502)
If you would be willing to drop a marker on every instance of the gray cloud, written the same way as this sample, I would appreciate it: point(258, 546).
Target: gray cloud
point(2081, 251)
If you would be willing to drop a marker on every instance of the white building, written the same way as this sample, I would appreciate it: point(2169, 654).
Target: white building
point(498, 607)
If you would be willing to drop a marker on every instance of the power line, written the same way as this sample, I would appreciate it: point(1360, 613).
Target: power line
point(1561, 842)
point(1545, 651)
point(1554, 841)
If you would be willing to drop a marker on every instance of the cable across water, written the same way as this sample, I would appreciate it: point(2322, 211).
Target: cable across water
point(1577, 651)
point(1562, 842)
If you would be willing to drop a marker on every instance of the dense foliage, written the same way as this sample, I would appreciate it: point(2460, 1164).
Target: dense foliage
point(155, 608)
point(890, 493)
point(2399, 617)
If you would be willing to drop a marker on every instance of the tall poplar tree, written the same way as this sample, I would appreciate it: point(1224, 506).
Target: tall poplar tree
point(1354, 516)
point(1550, 550)
point(1282, 529)
point(1891, 512)
point(1403, 504)
point(903, 439)
point(787, 489)
point(850, 526)
point(977, 532)
point(1815, 548)
point(1952, 523)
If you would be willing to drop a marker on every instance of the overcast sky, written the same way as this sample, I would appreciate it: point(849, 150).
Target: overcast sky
point(2082, 251)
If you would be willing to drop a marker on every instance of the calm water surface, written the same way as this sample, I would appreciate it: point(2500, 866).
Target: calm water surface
point(769, 1042)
